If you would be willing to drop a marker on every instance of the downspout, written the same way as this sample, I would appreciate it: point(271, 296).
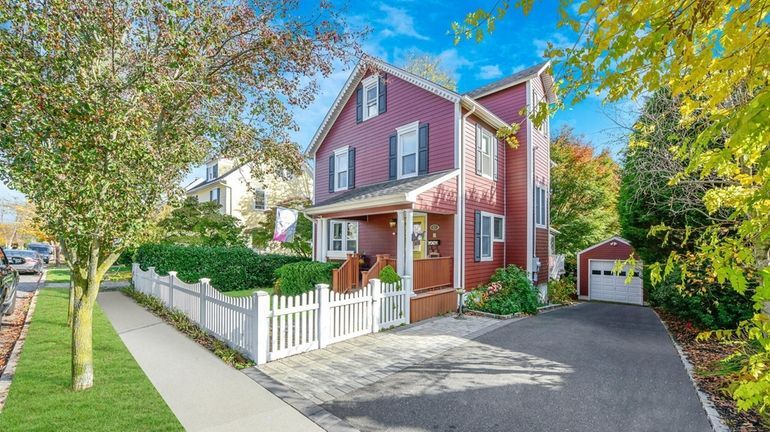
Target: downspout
point(461, 192)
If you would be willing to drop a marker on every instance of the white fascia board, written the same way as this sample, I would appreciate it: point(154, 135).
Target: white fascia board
point(412, 196)
point(616, 238)
point(483, 113)
point(357, 205)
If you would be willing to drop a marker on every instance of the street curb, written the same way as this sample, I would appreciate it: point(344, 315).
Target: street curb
point(10, 367)
point(711, 412)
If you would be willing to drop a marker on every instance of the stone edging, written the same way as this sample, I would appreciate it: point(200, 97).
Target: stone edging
point(10, 367)
point(711, 412)
point(541, 309)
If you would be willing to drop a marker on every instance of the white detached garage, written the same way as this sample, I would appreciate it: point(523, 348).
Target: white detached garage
point(597, 279)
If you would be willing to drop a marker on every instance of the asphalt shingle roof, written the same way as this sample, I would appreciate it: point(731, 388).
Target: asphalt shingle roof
point(505, 81)
point(393, 187)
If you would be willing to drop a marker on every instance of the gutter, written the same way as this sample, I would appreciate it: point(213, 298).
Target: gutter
point(461, 194)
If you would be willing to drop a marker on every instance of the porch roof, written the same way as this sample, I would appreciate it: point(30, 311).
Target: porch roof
point(394, 192)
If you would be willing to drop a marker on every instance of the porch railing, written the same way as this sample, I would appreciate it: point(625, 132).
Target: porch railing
point(374, 271)
point(432, 273)
point(345, 278)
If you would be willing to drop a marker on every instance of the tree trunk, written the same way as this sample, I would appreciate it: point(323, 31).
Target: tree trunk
point(71, 305)
point(82, 341)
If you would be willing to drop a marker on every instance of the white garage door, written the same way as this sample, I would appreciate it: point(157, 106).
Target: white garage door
point(605, 285)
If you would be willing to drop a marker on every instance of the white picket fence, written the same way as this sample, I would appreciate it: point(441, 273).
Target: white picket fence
point(268, 327)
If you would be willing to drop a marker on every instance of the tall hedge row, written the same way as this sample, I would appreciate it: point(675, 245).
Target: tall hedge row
point(229, 268)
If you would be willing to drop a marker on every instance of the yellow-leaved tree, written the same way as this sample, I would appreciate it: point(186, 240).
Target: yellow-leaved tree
point(715, 59)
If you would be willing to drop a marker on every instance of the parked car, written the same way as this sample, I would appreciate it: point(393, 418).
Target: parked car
point(29, 262)
point(9, 279)
point(46, 251)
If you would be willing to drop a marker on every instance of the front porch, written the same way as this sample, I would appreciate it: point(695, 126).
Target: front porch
point(416, 244)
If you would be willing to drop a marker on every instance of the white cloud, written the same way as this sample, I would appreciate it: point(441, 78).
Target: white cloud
point(557, 39)
point(489, 72)
point(453, 61)
point(398, 23)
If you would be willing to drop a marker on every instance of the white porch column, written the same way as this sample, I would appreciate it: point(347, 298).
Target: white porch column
point(409, 246)
point(400, 242)
point(324, 236)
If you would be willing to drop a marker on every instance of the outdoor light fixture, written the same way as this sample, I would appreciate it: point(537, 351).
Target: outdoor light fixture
point(613, 243)
point(392, 223)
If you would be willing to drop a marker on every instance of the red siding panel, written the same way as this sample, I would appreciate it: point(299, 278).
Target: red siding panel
point(606, 251)
point(445, 232)
point(375, 236)
point(406, 103)
point(541, 251)
point(440, 199)
point(507, 104)
point(481, 194)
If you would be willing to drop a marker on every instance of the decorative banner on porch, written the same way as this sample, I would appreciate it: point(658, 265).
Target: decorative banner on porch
point(285, 224)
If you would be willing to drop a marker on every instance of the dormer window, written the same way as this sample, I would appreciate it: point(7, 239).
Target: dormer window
point(371, 97)
point(212, 172)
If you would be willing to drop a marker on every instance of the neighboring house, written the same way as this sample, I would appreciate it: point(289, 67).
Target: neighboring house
point(391, 156)
point(241, 195)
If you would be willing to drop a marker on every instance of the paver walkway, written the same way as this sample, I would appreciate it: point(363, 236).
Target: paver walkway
point(203, 392)
point(326, 374)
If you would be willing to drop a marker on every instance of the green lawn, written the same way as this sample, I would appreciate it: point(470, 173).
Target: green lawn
point(40, 399)
point(62, 274)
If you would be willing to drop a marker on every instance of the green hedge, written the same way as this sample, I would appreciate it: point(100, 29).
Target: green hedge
point(301, 277)
point(508, 292)
point(229, 268)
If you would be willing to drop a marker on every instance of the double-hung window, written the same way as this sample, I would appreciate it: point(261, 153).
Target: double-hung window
point(260, 200)
point(214, 195)
point(212, 172)
point(341, 169)
point(343, 236)
point(485, 151)
point(490, 231)
point(541, 206)
point(371, 96)
point(408, 156)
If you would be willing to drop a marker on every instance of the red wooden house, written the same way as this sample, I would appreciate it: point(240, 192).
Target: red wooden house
point(412, 170)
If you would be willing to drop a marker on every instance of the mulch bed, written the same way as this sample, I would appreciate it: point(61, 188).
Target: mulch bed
point(703, 355)
point(11, 328)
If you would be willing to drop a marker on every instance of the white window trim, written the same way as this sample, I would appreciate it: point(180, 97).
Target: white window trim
point(210, 172)
point(492, 240)
point(401, 130)
point(341, 254)
point(502, 236)
point(216, 191)
point(254, 206)
point(492, 149)
point(338, 152)
point(368, 82)
point(541, 222)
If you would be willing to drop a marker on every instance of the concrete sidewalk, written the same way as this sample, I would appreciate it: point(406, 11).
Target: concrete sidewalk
point(203, 392)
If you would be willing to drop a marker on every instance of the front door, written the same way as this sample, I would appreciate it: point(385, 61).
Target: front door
point(420, 236)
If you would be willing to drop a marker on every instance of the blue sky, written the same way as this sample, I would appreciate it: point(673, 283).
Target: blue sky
point(398, 26)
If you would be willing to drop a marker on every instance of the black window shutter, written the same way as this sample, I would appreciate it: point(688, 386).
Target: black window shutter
point(382, 102)
point(359, 104)
point(351, 168)
point(494, 158)
point(392, 156)
point(216, 171)
point(478, 149)
point(477, 238)
point(331, 173)
point(423, 149)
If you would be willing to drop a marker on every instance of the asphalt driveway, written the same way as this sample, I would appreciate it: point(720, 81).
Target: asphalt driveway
point(592, 367)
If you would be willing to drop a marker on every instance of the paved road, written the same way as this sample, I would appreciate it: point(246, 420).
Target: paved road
point(29, 282)
point(593, 367)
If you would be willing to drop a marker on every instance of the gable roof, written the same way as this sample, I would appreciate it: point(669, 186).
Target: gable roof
point(402, 191)
point(538, 70)
point(616, 238)
point(358, 74)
